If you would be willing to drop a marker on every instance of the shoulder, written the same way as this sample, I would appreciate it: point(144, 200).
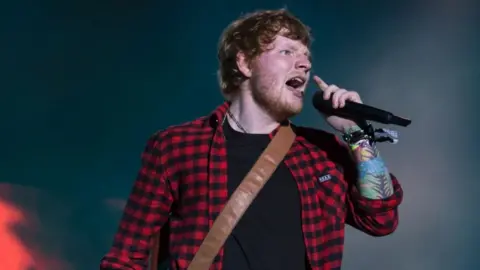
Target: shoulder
point(186, 131)
point(183, 129)
point(188, 136)
point(171, 146)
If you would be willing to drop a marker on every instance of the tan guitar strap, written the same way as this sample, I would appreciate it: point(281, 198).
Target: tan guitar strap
point(238, 203)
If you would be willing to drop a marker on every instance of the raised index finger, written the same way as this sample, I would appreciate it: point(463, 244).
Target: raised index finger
point(323, 85)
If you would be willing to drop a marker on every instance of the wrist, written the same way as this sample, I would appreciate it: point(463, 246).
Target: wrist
point(354, 134)
point(347, 130)
point(360, 144)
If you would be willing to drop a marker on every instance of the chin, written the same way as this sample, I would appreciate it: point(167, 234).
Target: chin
point(292, 110)
point(295, 106)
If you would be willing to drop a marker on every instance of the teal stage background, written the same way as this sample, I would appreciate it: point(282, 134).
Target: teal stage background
point(84, 83)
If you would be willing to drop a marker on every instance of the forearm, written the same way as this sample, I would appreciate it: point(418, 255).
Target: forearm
point(374, 180)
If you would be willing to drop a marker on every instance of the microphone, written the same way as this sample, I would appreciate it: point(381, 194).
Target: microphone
point(357, 111)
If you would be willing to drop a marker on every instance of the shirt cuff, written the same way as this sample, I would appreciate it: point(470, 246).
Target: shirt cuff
point(376, 206)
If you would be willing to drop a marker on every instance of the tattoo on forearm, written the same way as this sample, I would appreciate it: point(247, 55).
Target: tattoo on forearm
point(374, 179)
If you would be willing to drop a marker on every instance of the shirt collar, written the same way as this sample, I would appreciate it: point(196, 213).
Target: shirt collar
point(217, 117)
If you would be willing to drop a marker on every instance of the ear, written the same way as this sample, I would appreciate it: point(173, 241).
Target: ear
point(243, 65)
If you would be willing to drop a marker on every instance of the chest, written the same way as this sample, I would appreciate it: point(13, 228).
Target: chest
point(203, 178)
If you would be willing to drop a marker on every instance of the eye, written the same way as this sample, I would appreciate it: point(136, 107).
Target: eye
point(286, 52)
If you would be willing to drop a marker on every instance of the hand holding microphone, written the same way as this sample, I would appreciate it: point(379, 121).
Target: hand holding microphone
point(343, 109)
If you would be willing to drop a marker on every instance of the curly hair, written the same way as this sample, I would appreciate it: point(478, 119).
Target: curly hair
point(251, 34)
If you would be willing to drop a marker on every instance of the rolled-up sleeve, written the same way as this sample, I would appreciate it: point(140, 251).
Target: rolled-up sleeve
point(377, 217)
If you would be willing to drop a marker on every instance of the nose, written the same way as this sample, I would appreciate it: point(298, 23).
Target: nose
point(304, 64)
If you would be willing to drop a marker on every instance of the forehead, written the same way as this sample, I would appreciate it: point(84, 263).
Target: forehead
point(285, 42)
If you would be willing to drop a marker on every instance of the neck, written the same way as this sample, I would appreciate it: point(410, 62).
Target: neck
point(251, 116)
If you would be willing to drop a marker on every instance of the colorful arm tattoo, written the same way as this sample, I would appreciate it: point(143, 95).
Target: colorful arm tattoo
point(374, 180)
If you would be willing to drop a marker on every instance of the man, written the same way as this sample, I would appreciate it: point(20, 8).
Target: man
point(297, 220)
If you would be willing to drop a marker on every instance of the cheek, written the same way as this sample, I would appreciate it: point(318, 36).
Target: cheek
point(272, 71)
point(275, 64)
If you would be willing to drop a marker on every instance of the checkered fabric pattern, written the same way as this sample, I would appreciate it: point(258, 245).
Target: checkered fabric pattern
point(183, 177)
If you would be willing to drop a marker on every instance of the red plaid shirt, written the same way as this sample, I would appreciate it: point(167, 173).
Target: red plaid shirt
point(184, 172)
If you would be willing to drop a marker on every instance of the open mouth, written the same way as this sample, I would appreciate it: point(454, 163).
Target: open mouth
point(295, 83)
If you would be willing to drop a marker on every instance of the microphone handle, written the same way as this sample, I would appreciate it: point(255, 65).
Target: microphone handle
point(358, 112)
point(366, 112)
point(352, 109)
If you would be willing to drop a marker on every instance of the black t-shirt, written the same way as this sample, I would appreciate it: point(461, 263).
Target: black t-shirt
point(269, 235)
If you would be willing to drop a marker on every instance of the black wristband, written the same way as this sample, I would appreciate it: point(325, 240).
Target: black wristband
point(367, 133)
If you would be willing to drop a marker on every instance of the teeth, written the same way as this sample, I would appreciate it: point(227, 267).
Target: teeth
point(298, 80)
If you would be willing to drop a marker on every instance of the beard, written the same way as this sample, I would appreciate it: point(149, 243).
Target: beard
point(275, 100)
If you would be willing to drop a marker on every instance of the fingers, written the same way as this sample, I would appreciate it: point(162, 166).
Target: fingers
point(341, 96)
point(338, 96)
point(327, 93)
point(321, 84)
point(334, 93)
point(327, 89)
point(350, 96)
